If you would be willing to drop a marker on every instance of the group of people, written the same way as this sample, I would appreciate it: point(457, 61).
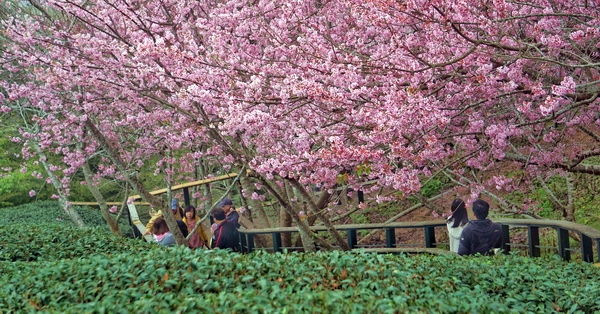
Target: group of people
point(224, 229)
point(470, 237)
point(467, 237)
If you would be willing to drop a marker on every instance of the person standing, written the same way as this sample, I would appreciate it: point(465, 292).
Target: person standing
point(199, 238)
point(456, 223)
point(481, 235)
point(225, 233)
point(233, 216)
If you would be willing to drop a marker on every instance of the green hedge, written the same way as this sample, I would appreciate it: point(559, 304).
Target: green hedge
point(49, 212)
point(164, 280)
point(44, 242)
point(55, 267)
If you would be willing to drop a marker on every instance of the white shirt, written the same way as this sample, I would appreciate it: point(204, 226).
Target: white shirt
point(454, 235)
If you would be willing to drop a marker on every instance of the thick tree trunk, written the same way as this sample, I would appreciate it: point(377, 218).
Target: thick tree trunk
point(255, 212)
point(110, 220)
point(285, 220)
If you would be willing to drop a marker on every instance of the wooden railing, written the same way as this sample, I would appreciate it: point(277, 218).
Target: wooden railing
point(587, 234)
point(140, 227)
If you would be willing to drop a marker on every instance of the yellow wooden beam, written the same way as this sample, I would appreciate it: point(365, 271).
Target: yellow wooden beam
point(107, 203)
point(189, 184)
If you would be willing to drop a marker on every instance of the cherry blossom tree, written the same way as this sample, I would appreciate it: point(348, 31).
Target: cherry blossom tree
point(318, 93)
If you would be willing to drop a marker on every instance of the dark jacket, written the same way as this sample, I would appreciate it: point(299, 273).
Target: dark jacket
point(225, 236)
point(234, 217)
point(182, 227)
point(480, 236)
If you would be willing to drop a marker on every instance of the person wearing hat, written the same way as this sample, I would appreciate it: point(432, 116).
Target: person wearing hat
point(234, 217)
point(177, 213)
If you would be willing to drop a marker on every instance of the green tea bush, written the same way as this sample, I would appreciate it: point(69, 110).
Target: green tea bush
point(56, 267)
point(33, 242)
point(165, 280)
point(48, 212)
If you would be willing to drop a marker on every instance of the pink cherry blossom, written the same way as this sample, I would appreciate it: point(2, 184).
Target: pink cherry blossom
point(340, 92)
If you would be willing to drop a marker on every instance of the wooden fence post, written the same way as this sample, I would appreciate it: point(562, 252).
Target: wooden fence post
point(276, 242)
point(587, 249)
point(351, 234)
point(533, 235)
point(563, 244)
point(429, 237)
point(506, 238)
point(390, 237)
point(250, 242)
point(186, 197)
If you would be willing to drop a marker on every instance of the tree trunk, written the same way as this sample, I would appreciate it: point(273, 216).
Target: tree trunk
point(285, 219)
point(110, 220)
point(317, 210)
point(260, 217)
point(570, 208)
point(62, 197)
point(207, 195)
point(135, 183)
point(571, 187)
point(308, 237)
point(256, 214)
point(174, 227)
point(168, 213)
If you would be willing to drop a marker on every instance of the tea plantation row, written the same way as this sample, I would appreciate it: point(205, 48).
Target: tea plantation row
point(58, 268)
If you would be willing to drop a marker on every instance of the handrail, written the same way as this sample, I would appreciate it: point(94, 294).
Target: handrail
point(544, 223)
point(186, 195)
point(397, 225)
point(588, 234)
point(188, 185)
point(107, 203)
